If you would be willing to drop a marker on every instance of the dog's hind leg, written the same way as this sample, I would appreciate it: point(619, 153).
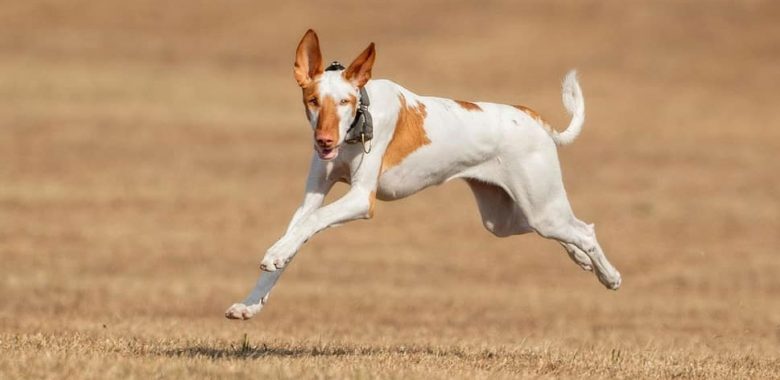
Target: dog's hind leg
point(550, 215)
point(503, 217)
point(571, 231)
point(500, 214)
point(535, 183)
point(578, 256)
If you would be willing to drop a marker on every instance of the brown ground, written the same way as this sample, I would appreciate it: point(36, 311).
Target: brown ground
point(150, 151)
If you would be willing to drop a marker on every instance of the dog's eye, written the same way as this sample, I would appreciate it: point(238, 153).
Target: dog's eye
point(344, 102)
point(314, 102)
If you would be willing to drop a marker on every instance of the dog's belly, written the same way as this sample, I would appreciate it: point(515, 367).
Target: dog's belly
point(396, 185)
point(417, 172)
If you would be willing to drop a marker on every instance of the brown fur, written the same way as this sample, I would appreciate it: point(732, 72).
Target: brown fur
point(359, 71)
point(469, 106)
point(372, 204)
point(310, 91)
point(353, 103)
point(409, 134)
point(328, 120)
point(534, 115)
point(308, 59)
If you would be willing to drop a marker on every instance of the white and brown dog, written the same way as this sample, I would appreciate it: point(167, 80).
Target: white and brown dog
point(507, 155)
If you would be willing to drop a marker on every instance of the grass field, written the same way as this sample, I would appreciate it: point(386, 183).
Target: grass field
point(151, 151)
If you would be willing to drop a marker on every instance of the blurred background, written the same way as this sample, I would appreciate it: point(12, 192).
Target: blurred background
point(151, 151)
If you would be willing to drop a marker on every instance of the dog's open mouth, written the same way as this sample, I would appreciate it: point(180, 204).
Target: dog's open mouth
point(327, 153)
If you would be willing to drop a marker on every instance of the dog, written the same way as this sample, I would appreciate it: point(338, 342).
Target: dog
point(388, 143)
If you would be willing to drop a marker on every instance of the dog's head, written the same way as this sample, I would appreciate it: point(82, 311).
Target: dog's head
point(330, 97)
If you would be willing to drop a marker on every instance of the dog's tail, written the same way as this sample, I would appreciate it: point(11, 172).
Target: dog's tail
point(575, 106)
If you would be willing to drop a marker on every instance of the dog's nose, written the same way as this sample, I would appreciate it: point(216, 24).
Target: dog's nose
point(324, 141)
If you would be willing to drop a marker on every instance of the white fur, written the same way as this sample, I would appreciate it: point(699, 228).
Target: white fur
point(575, 106)
point(507, 157)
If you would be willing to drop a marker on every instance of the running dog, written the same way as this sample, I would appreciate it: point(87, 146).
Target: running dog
point(387, 143)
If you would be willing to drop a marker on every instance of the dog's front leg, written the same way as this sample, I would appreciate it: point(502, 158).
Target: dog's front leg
point(256, 299)
point(356, 204)
point(317, 186)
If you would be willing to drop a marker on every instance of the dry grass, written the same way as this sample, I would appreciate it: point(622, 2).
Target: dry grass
point(150, 151)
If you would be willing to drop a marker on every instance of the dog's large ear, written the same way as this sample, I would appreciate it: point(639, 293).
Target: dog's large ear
point(359, 71)
point(308, 59)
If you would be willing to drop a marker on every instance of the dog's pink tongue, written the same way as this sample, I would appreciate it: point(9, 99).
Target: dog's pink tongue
point(329, 154)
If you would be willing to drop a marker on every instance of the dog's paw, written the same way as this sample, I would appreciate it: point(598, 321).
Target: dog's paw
point(277, 256)
point(611, 281)
point(239, 311)
point(270, 264)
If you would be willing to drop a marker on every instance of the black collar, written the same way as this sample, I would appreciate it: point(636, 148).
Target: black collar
point(362, 128)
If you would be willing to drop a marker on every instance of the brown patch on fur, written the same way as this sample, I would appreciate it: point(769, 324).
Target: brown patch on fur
point(469, 106)
point(371, 204)
point(353, 103)
point(409, 134)
point(310, 91)
point(308, 59)
point(359, 71)
point(534, 115)
point(328, 120)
